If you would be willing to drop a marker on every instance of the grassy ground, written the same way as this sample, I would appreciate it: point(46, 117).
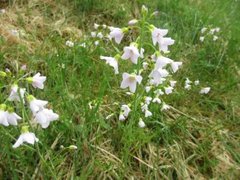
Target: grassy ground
point(198, 140)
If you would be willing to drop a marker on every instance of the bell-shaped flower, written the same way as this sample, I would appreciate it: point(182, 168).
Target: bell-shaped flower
point(141, 123)
point(36, 104)
point(161, 62)
point(148, 100)
point(156, 100)
point(157, 35)
point(187, 84)
point(130, 80)
point(165, 42)
point(203, 30)
point(16, 94)
point(27, 137)
point(112, 62)
point(201, 38)
point(175, 65)
point(121, 117)
point(45, 116)
point(148, 113)
point(12, 117)
point(148, 88)
point(168, 90)
point(117, 34)
point(3, 115)
point(158, 92)
point(125, 109)
point(196, 82)
point(131, 52)
point(37, 81)
point(165, 107)
point(159, 75)
point(205, 90)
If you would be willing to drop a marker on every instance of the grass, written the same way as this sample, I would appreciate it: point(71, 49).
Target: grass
point(198, 140)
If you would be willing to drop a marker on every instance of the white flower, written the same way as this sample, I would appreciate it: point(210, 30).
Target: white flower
point(212, 31)
point(165, 42)
point(187, 86)
point(159, 76)
point(175, 66)
point(13, 118)
point(3, 118)
point(37, 105)
point(45, 116)
point(93, 34)
point(156, 100)
point(141, 123)
point(205, 90)
point(96, 26)
point(168, 90)
point(37, 81)
point(15, 92)
point(161, 62)
point(130, 80)
point(165, 107)
point(148, 113)
point(132, 53)
point(2, 11)
point(145, 65)
point(147, 88)
point(125, 110)
point(121, 117)
point(144, 107)
point(69, 43)
point(112, 62)
point(159, 92)
point(173, 83)
point(203, 30)
point(187, 81)
point(117, 34)
point(196, 82)
point(148, 100)
point(100, 35)
point(201, 38)
point(96, 43)
point(82, 45)
point(104, 26)
point(132, 22)
point(215, 38)
point(217, 29)
point(27, 137)
point(157, 35)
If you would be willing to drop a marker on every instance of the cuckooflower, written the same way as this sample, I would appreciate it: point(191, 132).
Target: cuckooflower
point(130, 80)
point(27, 137)
point(112, 62)
point(175, 66)
point(16, 94)
point(157, 35)
point(205, 90)
point(117, 34)
point(37, 81)
point(125, 110)
point(3, 115)
point(168, 90)
point(132, 53)
point(164, 43)
point(36, 104)
point(45, 116)
point(13, 118)
point(148, 113)
point(141, 123)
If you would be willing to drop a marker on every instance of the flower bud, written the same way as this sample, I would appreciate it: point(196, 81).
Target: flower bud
point(3, 74)
point(144, 10)
point(24, 129)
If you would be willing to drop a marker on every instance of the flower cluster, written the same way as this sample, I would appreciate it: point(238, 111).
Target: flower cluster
point(209, 32)
point(19, 99)
point(150, 76)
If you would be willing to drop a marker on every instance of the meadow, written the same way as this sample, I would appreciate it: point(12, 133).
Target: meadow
point(196, 138)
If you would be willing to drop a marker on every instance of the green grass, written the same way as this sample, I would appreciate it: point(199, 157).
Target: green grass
point(198, 140)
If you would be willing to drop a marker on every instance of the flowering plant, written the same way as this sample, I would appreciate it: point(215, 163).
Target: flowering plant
point(16, 102)
point(149, 78)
